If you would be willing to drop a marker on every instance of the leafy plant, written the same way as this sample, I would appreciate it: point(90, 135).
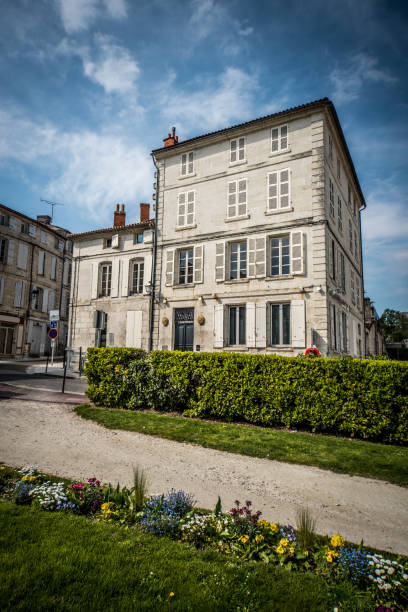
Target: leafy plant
point(161, 515)
point(245, 521)
point(305, 528)
point(139, 488)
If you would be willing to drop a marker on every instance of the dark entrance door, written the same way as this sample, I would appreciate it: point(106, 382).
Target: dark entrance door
point(184, 334)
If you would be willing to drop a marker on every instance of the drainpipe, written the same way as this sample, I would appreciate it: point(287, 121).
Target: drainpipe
point(153, 293)
point(362, 280)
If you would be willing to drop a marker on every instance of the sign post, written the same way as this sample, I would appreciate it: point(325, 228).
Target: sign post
point(53, 333)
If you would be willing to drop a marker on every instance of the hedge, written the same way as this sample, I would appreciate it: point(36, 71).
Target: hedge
point(360, 397)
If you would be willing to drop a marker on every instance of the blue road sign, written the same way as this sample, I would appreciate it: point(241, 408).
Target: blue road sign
point(53, 324)
point(53, 333)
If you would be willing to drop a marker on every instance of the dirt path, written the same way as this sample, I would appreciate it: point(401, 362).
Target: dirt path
point(57, 441)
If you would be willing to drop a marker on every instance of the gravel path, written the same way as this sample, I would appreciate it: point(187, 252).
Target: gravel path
point(52, 437)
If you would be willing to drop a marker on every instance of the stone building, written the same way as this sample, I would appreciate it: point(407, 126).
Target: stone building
point(375, 343)
point(258, 238)
point(35, 277)
point(111, 287)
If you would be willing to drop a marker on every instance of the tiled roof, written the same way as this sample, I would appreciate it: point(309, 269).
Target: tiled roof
point(141, 224)
point(51, 228)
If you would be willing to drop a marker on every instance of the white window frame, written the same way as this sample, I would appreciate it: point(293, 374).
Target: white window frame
point(235, 188)
point(139, 264)
point(277, 174)
point(237, 150)
point(187, 164)
point(280, 304)
point(186, 216)
point(236, 324)
point(107, 290)
point(239, 259)
point(278, 139)
point(188, 263)
point(280, 238)
point(339, 214)
point(331, 197)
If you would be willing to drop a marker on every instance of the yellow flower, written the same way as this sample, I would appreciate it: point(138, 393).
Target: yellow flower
point(280, 550)
point(263, 524)
point(171, 594)
point(244, 539)
point(259, 538)
point(274, 527)
point(337, 541)
point(291, 551)
point(284, 542)
point(2, 467)
point(331, 555)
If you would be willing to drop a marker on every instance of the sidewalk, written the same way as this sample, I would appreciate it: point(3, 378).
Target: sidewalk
point(41, 395)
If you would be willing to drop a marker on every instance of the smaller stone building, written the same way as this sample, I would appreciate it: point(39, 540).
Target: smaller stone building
point(375, 343)
point(111, 286)
point(35, 277)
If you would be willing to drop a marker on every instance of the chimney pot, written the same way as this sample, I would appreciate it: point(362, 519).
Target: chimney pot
point(117, 207)
point(123, 208)
point(171, 139)
point(144, 212)
point(119, 216)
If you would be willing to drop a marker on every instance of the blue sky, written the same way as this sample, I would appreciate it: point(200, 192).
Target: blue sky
point(89, 87)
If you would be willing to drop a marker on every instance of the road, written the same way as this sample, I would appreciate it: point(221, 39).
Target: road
point(31, 375)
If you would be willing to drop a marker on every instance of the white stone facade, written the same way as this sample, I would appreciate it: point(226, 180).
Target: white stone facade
point(110, 302)
point(259, 233)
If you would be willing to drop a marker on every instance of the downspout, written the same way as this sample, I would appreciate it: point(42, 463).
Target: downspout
point(362, 278)
point(153, 293)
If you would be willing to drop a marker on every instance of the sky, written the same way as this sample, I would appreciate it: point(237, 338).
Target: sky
point(89, 87)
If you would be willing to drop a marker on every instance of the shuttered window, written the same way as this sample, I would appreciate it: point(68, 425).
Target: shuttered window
point(355, 245)
point(237, 198)
point(350, 236)
point(41, 263)
point(19, 291)
point(22, 256)
point(187, 163)
point(137, 277)
point(331, 197)
point(238, 260)
point(279, 138)
point(280, 256)
point(278, 190)
point(280, 324)
point(53, 274)
point(237, 325)
point(237, 150)
point(105, 280)
point(339, 214)
point(186, 206)
point(186, 266)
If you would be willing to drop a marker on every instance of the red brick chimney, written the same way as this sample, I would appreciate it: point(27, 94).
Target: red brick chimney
point(144, 212)
point(119, 216)
point(171, 139)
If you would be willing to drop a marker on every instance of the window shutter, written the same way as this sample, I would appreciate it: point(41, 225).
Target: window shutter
point(22, 256)
point(260, 257)
point(51, 300)
point(66, 269)
point(218, 326)
point(250, 324)
point(191, 162)
point(220, 261)
point(251, 257)
point(190, 207)
point(45, 301)
point(134, 328)
point(94, 286)
point(260, 319)
point(53, 268)
point(181, 209)
point(296, 240)
point(1, 289)
point(125, 277)
point(41, 259)
point(298, 323)
point(17, 293)
point(170, 268)
point(184, 164)
point(10, 252)
point(198, 263)
point(43, 237)
point(32, 230)
point(115, 277)
point(115, 241)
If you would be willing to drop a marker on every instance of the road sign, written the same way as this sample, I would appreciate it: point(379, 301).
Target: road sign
point(53, 324)
point(53, 333)
point(54, 315)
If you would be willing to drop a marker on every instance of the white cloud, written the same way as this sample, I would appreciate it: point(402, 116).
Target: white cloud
point(384, 220)
point(349, 80)
point(87, 170)
point(112, 67)
point(78, 15)
point(214, 103)
point(209, 17)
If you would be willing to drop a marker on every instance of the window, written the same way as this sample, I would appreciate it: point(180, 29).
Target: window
point(353, 295)
point(19, 291)
point(238, 260)
point(69, 273)
point(186, 207)
point(237, 150)
point(339, 214)
point(3, 250)
point(354, 206)
point(60, 245)
point(237, 324)
point(280, 256)
point(51, 300)
point(3, 220)
point(333, 259)
point(186, 266)
point(330, 148)
point(36, 298)
point(278, 190)
point(357, 292)
point(334, 328)
point(342, 272)
point(338, 168)
point(280, 324)
point(351, 235)
point(24, 228)
point(279, 137)
point(53, 273)
point(69, 246)
point(136, 285)
point(331, 196)
point(41, 263)
point(22, 256)
point(237, 198)
point(344, 330)
point(105, 279)
point(187, 163)
point(43, 237)
point(66, 306)
point(32, 230)
point(108, 243)
point(355, 245)
point(138, 238)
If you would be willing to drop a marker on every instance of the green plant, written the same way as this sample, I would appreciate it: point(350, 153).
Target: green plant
point(305, 528)
point(139, 488)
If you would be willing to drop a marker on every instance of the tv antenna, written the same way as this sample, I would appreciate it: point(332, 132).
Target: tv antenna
point(52, 204)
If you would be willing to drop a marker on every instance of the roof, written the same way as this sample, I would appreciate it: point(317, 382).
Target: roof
point(140, 225)
point(51, 228)
point(316, 104)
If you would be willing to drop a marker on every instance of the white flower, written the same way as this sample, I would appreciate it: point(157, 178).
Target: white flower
point(378, 572)
point(391, 570)
point(405, 576)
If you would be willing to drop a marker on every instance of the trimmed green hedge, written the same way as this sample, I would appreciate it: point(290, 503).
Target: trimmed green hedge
point(365, 398)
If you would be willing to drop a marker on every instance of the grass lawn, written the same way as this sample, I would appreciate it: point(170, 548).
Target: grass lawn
point(60, 561)
point(353, 457)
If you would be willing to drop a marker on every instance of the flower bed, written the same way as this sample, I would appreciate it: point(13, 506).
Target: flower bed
point(240, 533)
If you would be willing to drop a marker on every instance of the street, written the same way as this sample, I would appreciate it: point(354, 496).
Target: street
point(31, 376)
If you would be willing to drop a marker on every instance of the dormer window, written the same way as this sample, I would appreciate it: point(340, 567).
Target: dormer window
point(187, 163)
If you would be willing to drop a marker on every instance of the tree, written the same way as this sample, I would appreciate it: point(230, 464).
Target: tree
point(394, 325)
